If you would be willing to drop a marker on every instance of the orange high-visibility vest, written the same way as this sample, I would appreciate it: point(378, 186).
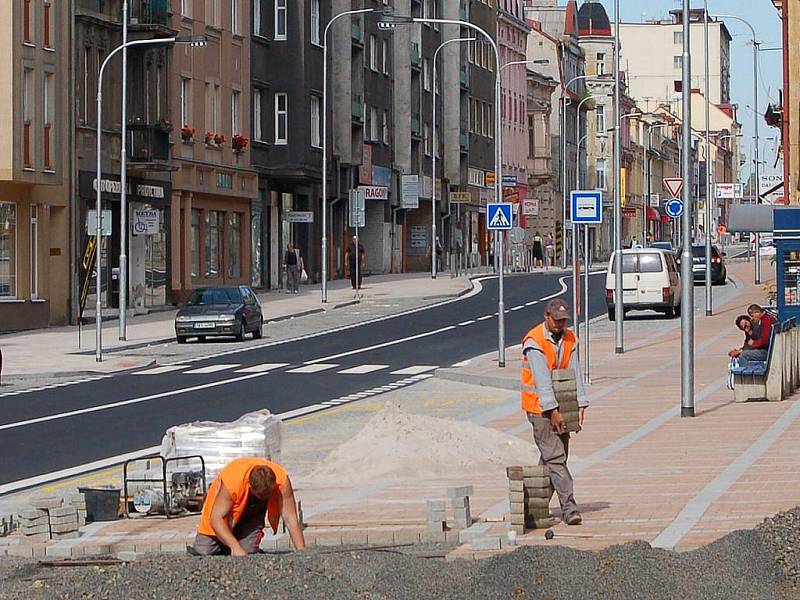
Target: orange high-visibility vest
point(528, 395)
point(236, 477)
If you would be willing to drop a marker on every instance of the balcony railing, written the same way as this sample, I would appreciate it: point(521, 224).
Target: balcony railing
point(149, 12)
point(147, 143)
point(416, 124)
point(416, 59)
point(357, 109)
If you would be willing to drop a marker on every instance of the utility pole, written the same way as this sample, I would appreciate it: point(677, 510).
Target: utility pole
point(687, 275)
point(709, 191)
point(619, 312)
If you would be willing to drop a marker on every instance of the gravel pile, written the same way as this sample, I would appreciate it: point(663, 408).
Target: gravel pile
point(754, 564)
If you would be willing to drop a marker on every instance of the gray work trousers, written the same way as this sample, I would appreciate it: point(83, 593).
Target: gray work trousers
point(293, 278)
point(249, 533)
point(554, 450)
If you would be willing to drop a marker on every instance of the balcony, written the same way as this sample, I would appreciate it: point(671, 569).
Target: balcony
point(357, 109)
point(416, 125)
point(357, 32)
point(463, 140)
point(463, 76)
point(149, 12)
point(148, 145)
point(416, 59)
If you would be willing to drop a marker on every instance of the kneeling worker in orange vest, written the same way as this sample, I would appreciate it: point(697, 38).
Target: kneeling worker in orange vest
point(545, 348)
point(245, 494)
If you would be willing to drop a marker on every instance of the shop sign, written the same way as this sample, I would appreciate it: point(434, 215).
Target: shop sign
point(628, 213)
point(365, 169)
point(373, 192)
point(381, 176)
point(530, 207)
point(460, 197)
point(410, 191)
point(146, 221)
point(299, 216)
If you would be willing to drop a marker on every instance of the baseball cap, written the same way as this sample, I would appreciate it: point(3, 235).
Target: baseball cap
point(557, 309)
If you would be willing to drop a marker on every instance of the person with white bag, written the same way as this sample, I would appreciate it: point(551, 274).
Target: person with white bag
point(295, 269)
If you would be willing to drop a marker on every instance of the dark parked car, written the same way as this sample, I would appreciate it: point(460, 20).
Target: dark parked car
point(719, 274)
point(663, 246)
point(220, 311)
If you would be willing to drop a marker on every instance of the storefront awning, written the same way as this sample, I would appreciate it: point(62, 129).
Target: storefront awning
point(747, 218)
point(652, 214)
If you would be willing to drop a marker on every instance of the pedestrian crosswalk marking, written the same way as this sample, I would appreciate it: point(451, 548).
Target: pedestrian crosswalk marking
point(210, 369)
point(363, 369)
point(316, 368)
point(415, 370)
point(262, 368)
point(160, 370)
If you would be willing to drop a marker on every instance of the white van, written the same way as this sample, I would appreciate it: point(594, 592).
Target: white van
point(650, 281)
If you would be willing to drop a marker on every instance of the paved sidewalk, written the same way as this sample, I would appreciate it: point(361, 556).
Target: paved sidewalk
point(642, 472)
point(56, 351)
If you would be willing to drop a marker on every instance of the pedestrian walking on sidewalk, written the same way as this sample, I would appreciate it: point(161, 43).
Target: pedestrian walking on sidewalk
point(355, 251)
point(538, 250)
point(293, 263)
point(549, 346)
point(247, 493)
point(550, 251)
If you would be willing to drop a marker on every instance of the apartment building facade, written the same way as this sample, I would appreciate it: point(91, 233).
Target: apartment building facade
point(34, 166)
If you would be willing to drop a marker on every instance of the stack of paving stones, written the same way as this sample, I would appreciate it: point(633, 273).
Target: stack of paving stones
point(51, 519)
point(78, 502)
point(566, 391)
point(459, 499)
point(529, 497)
point(436, 515)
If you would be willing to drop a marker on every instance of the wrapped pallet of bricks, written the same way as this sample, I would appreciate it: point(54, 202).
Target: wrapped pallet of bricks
point(529, 497)
point(566, 391)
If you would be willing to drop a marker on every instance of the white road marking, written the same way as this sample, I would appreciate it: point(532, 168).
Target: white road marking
point(313, 368)
point(211, 369)
point(465, 323)
point(363, 369)
point(263, 368)
point(301, 411)
point(415, 370)
point(160, 370)
point(102, 407)
point(485, 317)
point(531, 303)
point(463, 363)
point(520, 307)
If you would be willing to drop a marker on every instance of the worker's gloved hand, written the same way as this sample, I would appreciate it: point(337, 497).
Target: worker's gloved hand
point(238, 551)
point(557, 421)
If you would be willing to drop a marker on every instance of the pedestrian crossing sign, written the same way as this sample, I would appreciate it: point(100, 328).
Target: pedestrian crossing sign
point(499, 216)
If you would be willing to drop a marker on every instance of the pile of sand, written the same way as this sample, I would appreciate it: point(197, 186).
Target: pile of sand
point(397, 445)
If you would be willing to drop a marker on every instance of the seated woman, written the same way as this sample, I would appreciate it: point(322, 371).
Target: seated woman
point(745, 325)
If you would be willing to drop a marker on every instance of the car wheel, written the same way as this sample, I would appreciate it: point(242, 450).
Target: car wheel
point(258, 332)
point(181, 339)
point(669, 313)
point(611, 314)
point(241, 332)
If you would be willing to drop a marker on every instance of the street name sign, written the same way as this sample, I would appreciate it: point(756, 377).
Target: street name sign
point(299, 216)
point(105, 222)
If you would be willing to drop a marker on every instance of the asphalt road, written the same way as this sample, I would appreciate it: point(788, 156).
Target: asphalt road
point(50, 430)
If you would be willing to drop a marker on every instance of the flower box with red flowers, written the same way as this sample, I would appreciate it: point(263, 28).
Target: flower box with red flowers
point(239, 143)
point(164, 124)
point(187, 133)
point(219, 139)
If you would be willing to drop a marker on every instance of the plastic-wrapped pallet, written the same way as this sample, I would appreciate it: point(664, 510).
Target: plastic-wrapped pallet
point(254, 434)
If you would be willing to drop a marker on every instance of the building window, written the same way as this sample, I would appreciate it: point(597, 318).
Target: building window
point(426, 74)
point(601, 63)
point(315, 39)
point(373, 53)
point(195, 242)
point(280, 19)
point(258, 28)
point(600, 174)
point(8, 250)
point(677, 38)
point(385, 127)
point(34, 252)
point(186, 8)
point(316, 137)
point(47, 119)
point(185, 87)
point(373, 124)
point(234, 249)
point(258, 131)
point(47, 25)
point(235, 104)
point(281, 118)
point(235, 16)
point(26, 22)
point(86, 84)
point(426, 137)
point(677, 62)
point(385, 57)
point(27, 116)
point(600, 112)
point(214, 222)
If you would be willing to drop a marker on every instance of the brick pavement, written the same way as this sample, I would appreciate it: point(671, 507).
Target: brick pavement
point(642, 472)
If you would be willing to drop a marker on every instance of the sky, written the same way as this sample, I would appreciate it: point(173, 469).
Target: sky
point(764, 18)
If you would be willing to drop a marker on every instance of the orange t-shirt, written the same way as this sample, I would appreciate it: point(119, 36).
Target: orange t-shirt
point(235, 476)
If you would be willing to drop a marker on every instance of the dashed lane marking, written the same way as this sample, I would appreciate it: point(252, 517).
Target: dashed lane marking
point(465, 323)
point(263, 368)
point(315, 368)
point(415, 370)
point(363, 369)
point(485, 317)
point(211, 369)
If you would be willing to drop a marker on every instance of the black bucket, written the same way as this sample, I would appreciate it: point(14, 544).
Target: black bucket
point(102, 504)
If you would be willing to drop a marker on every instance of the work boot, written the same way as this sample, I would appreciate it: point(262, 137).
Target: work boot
point(574, 519)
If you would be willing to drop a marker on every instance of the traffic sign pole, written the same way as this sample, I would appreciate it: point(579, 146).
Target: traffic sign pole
point(499, 219)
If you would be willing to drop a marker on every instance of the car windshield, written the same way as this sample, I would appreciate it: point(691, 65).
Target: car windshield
point(214, 296)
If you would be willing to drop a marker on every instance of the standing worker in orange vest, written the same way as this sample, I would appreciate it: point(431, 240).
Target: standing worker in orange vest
point(547, 347)
point(245, 494)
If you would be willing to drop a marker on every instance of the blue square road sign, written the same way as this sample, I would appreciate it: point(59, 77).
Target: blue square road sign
point(499, 216)
point(587, 207)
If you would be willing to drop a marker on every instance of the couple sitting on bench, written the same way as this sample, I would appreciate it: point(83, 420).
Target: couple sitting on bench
point(757, 328)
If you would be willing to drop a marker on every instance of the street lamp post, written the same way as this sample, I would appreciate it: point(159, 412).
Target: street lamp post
point(434, 266)
point(123, 192)
point(196, 41)
point(687, 290)
point(325, 146)
point(709, 196)
point(619, 312)
point(756, 44)
point(392, 21)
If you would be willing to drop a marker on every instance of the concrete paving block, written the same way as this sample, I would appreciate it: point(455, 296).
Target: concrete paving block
point(460, 502)
point(38, 537)
point(58, 551)
point(516, 496)
point(173, 548)
point(354, 538)
point(459, 491)
point(35, 529)
point(96, 550)
point(543, 492)
point(45, 502)
point(486, 543)
point(435, 526)
point(70, 520)
point(535, 471)
point(436, 506)
point(475, 531)
point(336, 540)
point(515, 485)
point(34, 523)
point(63, 511)
point(124, 547)
point(515, 473)
point(32, 514)
point(21, 550)
point(63, 528)
point(534, 503)
point(147, 548)
point(536, 482)
point(39, 550)
point(67, 535)
point(563, 375)
point(380, 538)
point(517, 519)
point(433, 537)
point(406, 537)
point(519, 529)
point(127, 555)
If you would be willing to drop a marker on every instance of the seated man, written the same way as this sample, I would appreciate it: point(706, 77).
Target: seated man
point(745, 325)
point(245, 493)
point(761, 331)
